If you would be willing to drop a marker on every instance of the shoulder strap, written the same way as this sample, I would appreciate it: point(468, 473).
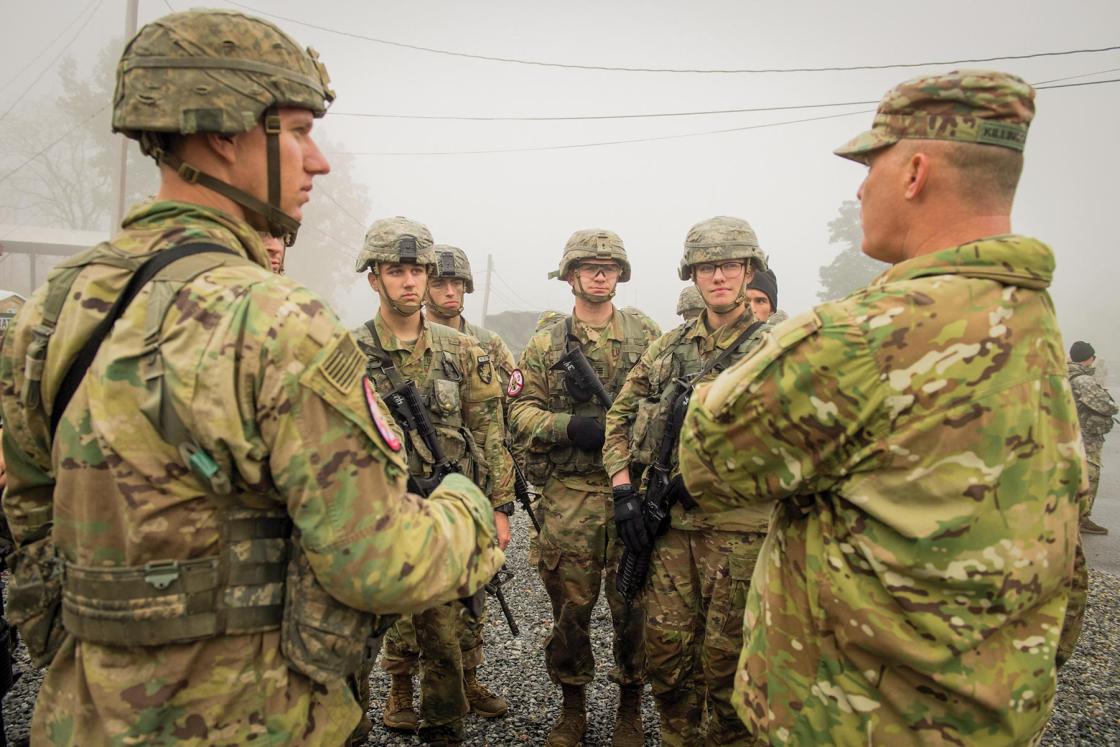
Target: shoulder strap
point(139, 279)
point(387, 366)
point(721, 360)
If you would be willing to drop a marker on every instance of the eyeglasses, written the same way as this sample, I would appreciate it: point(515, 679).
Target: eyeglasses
point(590, 271)
point(732, 269)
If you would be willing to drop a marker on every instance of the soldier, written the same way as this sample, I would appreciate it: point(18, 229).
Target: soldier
point(444, 301)
point(762, 295)
point(701, 566)
point(230, 499)
point(460, 388)
point(1095, 411)
point(690, 304)
point(921, 440)
point(560, 423)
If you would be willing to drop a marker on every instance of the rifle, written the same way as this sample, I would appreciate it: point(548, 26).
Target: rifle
point(521, 490)
point(634, 567)
point(582, 381)
point(405, 405)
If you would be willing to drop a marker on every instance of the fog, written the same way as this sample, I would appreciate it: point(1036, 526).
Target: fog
point(520, 207)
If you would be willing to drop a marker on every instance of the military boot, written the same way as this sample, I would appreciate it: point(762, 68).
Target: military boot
point(1088, 526)
point(483, 702)
point(568, 731)
point(628, 721)
point(399, 713)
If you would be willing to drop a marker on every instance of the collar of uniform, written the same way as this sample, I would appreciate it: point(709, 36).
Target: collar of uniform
point(154, 213)
point(721, 337)
point(1010, 259)
point(392, 343)
point(1076, 369)
point(613, 330)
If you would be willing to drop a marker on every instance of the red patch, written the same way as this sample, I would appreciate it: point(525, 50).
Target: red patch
point(516, 383)
point(383, 427)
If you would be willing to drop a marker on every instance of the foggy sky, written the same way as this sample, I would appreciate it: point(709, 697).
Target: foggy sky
point(521, 207)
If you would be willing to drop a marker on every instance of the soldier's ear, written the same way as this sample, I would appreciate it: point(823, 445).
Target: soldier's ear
point(371, 278)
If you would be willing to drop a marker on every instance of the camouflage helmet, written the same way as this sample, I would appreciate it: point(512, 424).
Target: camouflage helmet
point(452, 262)
point(690, 302)
point(221, 72)
point(720, 239)
point(593, 243)
point(397, 240)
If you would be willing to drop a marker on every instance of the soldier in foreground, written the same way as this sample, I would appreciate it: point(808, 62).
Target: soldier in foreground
point(559, 418)
point(222, 497)
point(921, 439)
point(690, 304)
point(1096, 411)
point(700, 565)
point(458, 388)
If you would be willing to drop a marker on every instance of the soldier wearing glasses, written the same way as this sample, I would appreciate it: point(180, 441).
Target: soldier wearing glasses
point(562, 428)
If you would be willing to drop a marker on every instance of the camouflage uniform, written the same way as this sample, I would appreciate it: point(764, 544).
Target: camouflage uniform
point(1095, 410)
point(578, 544)
point(700, 568)
point(690, 304)
point(921, 439)
point(460, 388)
point(203, 540)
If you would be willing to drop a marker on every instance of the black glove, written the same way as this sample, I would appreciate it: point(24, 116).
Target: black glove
point(680, 493)
point(628, 518)
point(586, 433)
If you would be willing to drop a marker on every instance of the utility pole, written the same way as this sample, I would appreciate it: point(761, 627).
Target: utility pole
point(486, 293)
point(121, 146)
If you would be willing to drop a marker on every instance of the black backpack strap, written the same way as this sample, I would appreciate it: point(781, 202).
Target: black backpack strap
point(139, 279)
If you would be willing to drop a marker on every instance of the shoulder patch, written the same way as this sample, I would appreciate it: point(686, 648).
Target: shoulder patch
point(343, 364)
point(516, 383)
point(485, 369)
point(383, 427)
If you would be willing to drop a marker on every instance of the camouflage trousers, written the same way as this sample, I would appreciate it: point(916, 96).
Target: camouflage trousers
point(576, 560)
point(435, 634)
point(694, 601)
point(401, 654)
point(1093, 456)
point(1075, 610)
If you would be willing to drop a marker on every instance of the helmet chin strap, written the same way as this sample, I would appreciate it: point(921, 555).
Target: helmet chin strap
point(436, 310)
point(397, 306)
point(724, 308)
point(277, 222)
point(577, 290)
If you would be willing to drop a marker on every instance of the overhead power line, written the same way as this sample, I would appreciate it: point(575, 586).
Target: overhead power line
point(53, 60)
point(47, 46)
point(625, 69)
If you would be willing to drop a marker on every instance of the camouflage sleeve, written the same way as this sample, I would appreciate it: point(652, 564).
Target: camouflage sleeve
point(325, 442)
point(530, 418)
point(620, 418)
point(503, 360)
point(754, 434)
point(1093, 396)
point(482, 411)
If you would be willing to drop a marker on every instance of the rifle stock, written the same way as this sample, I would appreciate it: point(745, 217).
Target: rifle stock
point(582, 376)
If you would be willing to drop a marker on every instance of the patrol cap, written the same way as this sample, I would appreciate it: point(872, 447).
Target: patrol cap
point(396, 240)
point(966, 106)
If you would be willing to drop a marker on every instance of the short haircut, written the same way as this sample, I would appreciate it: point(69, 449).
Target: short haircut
point(986, 174)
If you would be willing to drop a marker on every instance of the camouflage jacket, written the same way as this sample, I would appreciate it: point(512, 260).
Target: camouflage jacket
point(1095, 406)
point(541, 411)
point(921, 439)
point(457, 381)
point(266, 380)
point(636, 421)
point(495, 347)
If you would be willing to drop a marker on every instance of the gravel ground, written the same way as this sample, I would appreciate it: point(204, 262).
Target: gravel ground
point(1087, 710)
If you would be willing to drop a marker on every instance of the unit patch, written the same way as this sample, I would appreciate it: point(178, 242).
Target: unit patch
point(485, 369)
point(379, 421)
point(516, 383)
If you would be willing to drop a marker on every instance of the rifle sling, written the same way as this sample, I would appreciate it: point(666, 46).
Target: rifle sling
point(143, 275)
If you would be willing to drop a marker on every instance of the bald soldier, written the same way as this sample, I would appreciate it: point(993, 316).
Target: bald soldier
point(206, 524)
point(921, 440)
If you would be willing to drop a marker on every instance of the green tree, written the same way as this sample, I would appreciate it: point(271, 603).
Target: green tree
point(851, 269)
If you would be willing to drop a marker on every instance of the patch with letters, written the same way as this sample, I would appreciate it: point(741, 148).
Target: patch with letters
point(383, 427)
point(485, 369)
point(516, 383)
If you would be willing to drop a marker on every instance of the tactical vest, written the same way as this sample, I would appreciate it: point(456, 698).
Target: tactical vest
point(566, 459)
point(439, 391)
point(257, 581)
point(680, 358)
